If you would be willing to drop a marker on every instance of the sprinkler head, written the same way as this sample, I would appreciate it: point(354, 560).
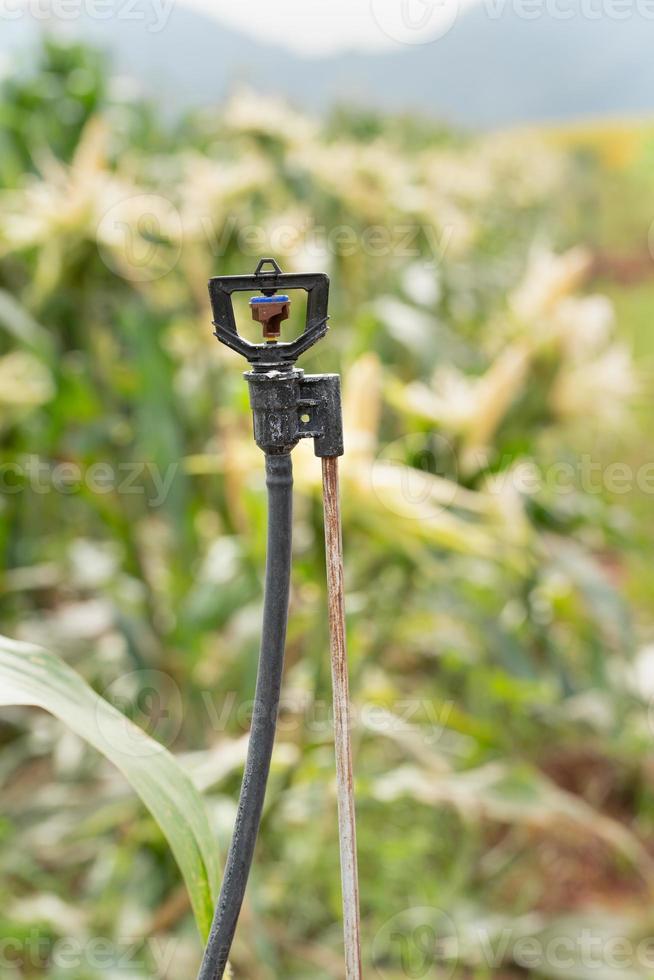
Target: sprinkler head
point(287, 404)
point(270, 311)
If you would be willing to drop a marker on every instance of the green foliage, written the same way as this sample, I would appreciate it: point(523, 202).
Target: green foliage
point(33, 676)
point(45, 111)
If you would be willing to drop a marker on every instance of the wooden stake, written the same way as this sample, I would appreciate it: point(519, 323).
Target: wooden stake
point(343, 746)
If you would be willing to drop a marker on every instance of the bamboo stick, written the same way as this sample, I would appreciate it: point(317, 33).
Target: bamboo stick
point(342, 741)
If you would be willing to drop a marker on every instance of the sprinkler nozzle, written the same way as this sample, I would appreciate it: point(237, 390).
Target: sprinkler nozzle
point(270, 312)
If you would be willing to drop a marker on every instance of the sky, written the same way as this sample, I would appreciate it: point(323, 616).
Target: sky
point(325, 26)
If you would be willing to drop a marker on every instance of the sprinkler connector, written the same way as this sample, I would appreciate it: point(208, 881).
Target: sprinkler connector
point(290, 406)
point(287, 405)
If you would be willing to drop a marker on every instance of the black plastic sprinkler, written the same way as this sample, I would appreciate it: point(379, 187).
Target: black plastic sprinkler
point(287, 405)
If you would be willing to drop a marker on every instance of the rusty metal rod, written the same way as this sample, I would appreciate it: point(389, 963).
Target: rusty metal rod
point(342, 725)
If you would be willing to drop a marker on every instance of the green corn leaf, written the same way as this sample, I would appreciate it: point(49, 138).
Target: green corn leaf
point(30, 675)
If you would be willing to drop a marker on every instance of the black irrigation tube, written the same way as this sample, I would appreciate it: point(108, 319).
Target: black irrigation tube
point(279, 481)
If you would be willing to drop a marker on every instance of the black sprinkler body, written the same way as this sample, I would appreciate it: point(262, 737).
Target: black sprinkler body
point(287, 405)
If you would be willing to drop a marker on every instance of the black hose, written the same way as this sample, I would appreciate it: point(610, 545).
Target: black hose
point(279, 480)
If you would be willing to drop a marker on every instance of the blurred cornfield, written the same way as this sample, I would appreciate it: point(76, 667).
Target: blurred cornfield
point(490, 314)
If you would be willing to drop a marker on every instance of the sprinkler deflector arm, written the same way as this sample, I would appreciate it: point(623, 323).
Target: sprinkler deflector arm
point(287, 406)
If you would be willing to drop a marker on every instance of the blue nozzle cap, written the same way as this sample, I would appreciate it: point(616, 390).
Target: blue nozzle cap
point(256, 300)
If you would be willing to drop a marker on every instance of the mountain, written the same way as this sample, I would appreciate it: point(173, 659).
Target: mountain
point(493, 68)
